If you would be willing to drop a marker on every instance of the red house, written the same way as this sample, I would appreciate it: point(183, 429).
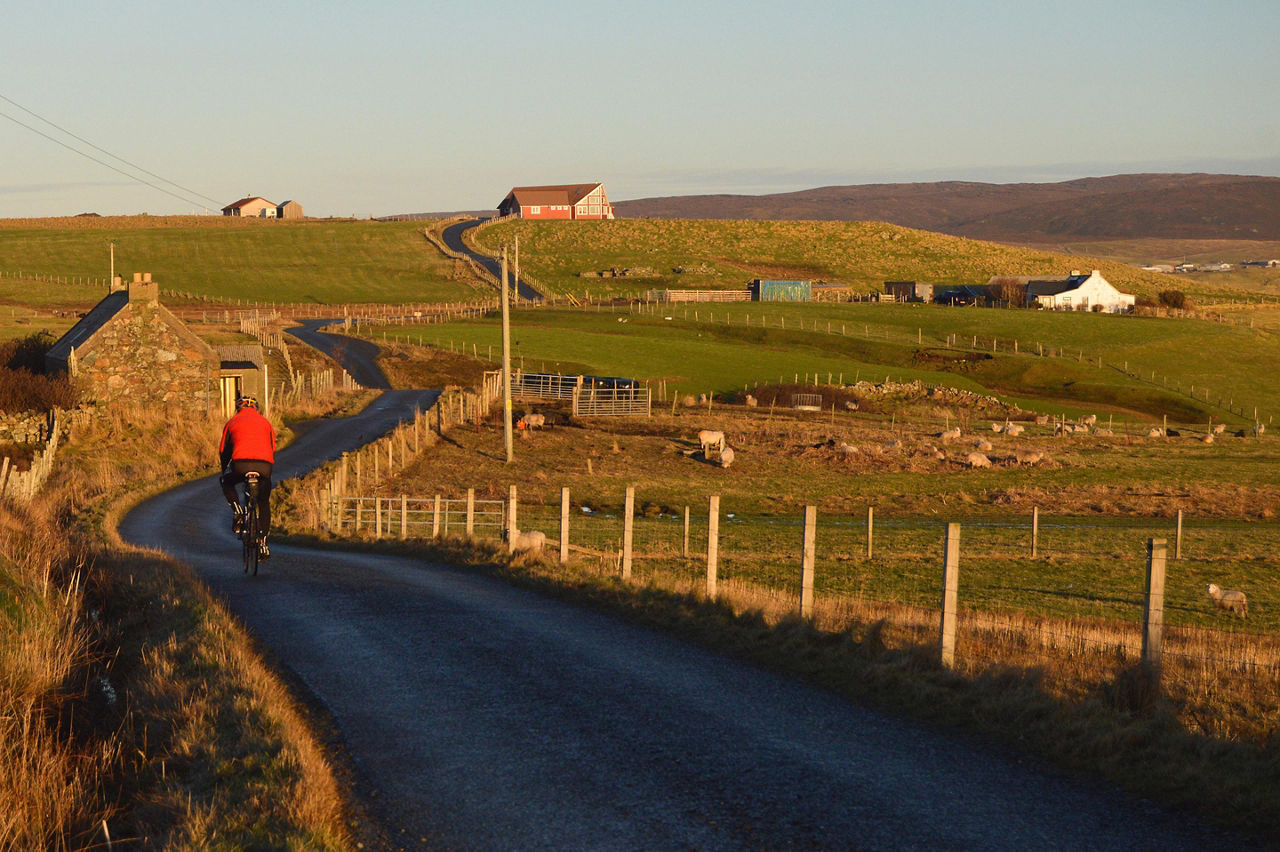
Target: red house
point(574, 201)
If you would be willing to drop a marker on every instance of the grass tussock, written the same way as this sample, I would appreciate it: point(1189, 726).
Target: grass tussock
point(132, 707)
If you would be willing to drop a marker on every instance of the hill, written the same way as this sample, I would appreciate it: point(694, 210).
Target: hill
point(564, 256)
point(1182, 206)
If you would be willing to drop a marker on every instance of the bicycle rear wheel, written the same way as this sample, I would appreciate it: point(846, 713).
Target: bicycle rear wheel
point(251, 532)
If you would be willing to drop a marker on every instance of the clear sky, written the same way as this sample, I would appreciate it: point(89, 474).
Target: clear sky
point(398, 107)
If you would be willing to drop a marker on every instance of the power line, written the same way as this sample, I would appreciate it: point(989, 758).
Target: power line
point(191, 192)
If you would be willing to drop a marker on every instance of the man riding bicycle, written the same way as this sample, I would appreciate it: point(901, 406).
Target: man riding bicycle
point(248, 446)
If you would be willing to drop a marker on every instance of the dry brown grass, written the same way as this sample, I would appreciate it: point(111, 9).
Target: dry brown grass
point(130, 702)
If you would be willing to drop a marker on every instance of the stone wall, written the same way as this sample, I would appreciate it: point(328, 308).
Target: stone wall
point(140, 356)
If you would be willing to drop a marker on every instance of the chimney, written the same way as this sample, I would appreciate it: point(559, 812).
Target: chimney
point(143, 290)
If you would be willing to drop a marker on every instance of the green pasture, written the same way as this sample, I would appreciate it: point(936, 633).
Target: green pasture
point(313, 261)
point(1188, 370)
point(727, 254)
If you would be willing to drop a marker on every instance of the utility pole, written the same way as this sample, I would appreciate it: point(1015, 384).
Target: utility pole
point(515, 284)
point(506, 364)
point(111, 282)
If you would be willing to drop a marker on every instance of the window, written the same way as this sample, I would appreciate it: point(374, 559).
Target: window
point(534, 210)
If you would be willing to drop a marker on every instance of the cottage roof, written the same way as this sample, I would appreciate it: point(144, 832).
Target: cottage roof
point(245, 202)
point(547, 195)
point(88, 325)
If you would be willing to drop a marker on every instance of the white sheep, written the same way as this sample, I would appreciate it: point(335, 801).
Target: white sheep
point(1229, 599)
point(1207, 439)
point(1258, 429)
point(533, 421)
point(950, 435)
point(1042, 419)
point(1090, 420)
point(977, 460)
point(1028, 456)
point(1155, 432)
point(533, 540)
point(726, 457)
point(1219, 428)
point(982, 445)
point(850, 405)
point(711, 439)
point(1014, 428)
point(751, 401)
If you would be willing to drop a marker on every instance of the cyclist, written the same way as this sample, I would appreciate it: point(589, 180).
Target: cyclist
point(248, 445)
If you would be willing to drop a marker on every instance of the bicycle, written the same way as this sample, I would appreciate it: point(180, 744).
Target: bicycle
point(249, 534)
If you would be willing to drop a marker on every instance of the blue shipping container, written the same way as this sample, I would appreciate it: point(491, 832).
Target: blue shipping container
point(780, 290)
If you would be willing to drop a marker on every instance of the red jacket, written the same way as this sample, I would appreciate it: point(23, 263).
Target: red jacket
point(248, 435)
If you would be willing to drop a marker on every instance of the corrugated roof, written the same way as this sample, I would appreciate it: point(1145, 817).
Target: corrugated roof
point(547, 195)
point(243, 202)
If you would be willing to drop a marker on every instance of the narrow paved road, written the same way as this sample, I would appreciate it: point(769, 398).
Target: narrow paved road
point(358, 356)
point(453, 239)
point(482, 716)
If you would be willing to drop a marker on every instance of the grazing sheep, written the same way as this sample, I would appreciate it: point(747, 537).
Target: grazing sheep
point(1027, 456)
point(711, 439)
point(977, 460)
point(533, 540)
point(1042, 419)
point(1229, 599)
point(1155, 432)
point(1013, 429)
point(533, 421)
point(850, 405)
point(1219, 428)
point(751, 401)
point(688, 401)
point(1103, 432)
point(950, 435)
point(726, 457)
point(982, 445)
point(997, 428)
point(1090, 420)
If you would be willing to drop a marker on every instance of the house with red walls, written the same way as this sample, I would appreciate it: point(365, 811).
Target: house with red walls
point(569, 201)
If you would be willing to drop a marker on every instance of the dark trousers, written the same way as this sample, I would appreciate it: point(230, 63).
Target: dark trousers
point(234, 475)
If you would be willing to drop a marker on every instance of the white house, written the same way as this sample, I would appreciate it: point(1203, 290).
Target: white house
point(1078, 292)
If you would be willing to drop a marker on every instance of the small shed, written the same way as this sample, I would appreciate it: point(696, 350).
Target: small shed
point(289, 210)
point(780, 290)
point(909, 291)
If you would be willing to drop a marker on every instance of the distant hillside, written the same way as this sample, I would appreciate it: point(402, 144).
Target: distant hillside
point(1180, 206)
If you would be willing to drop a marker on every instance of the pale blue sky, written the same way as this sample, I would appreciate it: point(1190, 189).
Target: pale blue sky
point(409, 107)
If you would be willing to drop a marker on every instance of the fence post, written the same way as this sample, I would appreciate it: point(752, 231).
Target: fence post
point(871, 523)
point(685, 552)
point(1177, 541)
point(404, 516)
point(471, 512)
point(564, 525)
point(628, 530)
point(359, 507)
point(511, 520)
point(950, 592)
point(1153, 618)
point(806, 561)
point(1035, 531)
point(713, 544)
point(435, 519)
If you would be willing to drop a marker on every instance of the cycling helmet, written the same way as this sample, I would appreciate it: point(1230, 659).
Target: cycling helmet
point(246, 402)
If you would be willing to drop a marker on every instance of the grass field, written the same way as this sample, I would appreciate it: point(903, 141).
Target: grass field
point(862, 255)
point(313, 260)
point(724, 348)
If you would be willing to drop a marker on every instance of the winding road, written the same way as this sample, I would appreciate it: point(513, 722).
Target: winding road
point(483, 716)
point(453, 239)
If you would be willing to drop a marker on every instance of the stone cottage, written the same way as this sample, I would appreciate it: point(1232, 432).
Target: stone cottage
point(131, 349)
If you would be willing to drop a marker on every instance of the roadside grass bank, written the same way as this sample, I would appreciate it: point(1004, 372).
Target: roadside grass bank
point(1098, 721)
point(133, 709)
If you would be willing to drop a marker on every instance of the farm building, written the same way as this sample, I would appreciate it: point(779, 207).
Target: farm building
point(570, 201)
point(289, 210)
point(1076, 292)
point(780, 290)
point(962, 294)
point(130, 348)
point(255, 206)
point(909, 291)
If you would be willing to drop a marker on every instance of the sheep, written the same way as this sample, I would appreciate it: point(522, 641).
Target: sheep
point(533, 540)
point(1104, 432)
point(1089, 420)
point(982, 445)
point(1155, 432)
point(977, 460)
point(533, 421)
point(1219, 428)
point(1042, 419)
point(997, 428)
point(1014, 428)
point(1027, 456)
point(850, 405)
point(1258, 429)
point(711, 439)
point(950, 435)
point(1229, 599)
point(726, 457)
point(1207, 439)
point(751, 401)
